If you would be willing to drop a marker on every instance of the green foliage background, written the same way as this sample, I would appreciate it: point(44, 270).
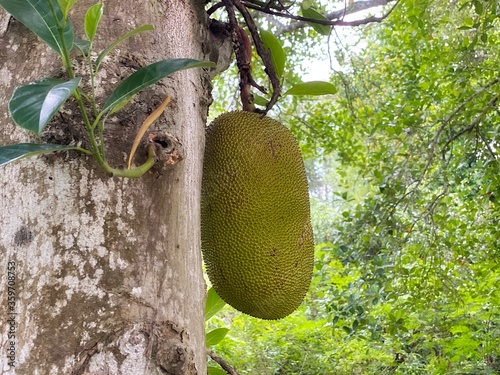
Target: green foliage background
point(404, 177)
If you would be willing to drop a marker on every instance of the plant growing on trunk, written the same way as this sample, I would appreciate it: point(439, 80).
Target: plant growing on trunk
point(32, 106)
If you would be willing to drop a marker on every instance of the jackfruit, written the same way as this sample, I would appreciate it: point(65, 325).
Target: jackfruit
point(257, 239)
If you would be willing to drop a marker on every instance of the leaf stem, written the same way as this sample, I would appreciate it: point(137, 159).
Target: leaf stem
point(90, 130)
point(84, 150)
point(101, 138)
point(98, 152)
point(92, 74)
point(138, 171)
point(64, 51)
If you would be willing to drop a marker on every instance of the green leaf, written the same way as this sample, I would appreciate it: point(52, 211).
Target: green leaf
point(278, 56)
point(215, 371)
point(260, 100)
point(464, 5)
point(11, 153)
point(32, 106)
point(347, 329)
point(148, 76)
point(312, 88)
point(82, 45)
point(131, 33)
point(120, 105)
point(214, 304)
point(478, 7)
point(66, 6)
point(37, 16)
point(216, 335)
point(459, 329)
point(320, 29)
point(92, 18)
point(307, 4)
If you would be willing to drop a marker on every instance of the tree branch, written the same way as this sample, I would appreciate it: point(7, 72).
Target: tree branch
point(491, 105)
point(243, 51)
point(449, 118)
point(368, 20)
point(356, 7)
point(222, 363)
point(280, 10)
point(271, 5)
point(444, 123)
point(263, 53)
point(469, 99)
point(335, 18)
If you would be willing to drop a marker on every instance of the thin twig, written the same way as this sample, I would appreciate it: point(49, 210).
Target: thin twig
point(487, 144)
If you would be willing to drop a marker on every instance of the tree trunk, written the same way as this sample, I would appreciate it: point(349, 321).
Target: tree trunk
point(106, 272)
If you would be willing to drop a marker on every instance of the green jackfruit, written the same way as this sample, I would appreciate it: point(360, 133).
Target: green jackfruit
point(257, 239)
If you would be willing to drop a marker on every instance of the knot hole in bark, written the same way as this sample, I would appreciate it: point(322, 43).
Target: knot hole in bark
point(168, 149)
point(173, 352)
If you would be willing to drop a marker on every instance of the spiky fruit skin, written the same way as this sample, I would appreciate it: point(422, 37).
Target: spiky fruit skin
point(257, 239)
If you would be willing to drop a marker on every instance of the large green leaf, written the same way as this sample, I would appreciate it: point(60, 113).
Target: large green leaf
point(21, 150)
point(131, 33)
point(312, 88)
point(37, 16)
point(311, 13)
point(278, 56)
point(32, 106)
point(216, 335)
point(214, 303)
point(148, 76)
point(92, 18)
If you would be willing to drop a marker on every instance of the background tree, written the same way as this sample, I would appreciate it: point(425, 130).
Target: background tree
point(104, 273)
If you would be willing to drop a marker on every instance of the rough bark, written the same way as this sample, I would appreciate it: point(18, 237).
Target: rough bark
point(108, 270)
